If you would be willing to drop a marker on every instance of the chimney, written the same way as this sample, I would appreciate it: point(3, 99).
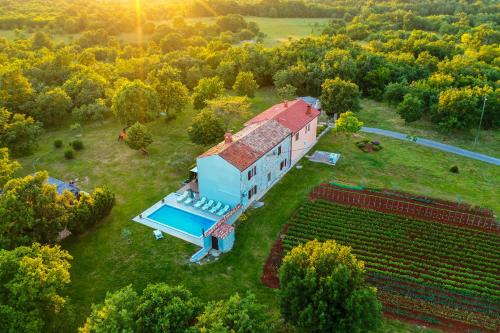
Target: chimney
point(228, 137)
point(308, 110)
point(285, 104)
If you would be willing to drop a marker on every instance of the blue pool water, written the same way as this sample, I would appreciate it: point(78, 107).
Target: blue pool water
point(181, 220)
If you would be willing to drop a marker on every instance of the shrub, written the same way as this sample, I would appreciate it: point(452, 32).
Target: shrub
point(454, 169)
point(90, 209)
point(69, 154)
point(58, 143)
point(139, 136)
point(77, 144)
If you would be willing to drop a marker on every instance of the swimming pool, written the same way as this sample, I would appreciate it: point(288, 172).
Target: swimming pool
point(190, 223)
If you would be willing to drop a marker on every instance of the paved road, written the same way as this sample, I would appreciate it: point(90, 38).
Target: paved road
point(434, 144)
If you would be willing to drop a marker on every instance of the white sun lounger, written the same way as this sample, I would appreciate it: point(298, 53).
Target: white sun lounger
point(200, 202)
point(183, 196)
point(216, 207)
point(189, 201)
point(207, 205)
point(223, 210)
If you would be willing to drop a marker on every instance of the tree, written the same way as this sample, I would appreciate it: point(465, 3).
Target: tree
point(207, 128)
point(52, 106)
point(339, 63)
point(30, 211)
point(15, 89)
point(460, 108)
point(173, 95)
point(207, 88)
point(136, 102)
point(227, 72)
point(85, 87)
point(7, 167)
point(40, 40)
point(323, 289)
point(18, 132)
point(287, 92)
point(245, 84)
point(139, 137)
point(171, 42)
point(348, 123)
point(163, 308)
point(395, 92)
point(32, 280)
point(230, 109)
point(117, 314)
point(411, 108)
point(91, 112)
point(236, 314)
point(339, 96)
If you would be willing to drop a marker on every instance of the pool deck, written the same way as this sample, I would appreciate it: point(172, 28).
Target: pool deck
point(171, 201)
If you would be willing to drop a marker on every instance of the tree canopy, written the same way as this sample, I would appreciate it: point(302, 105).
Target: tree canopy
point(32, 280)
point(323, 289)
point(207, 128)
point(207, 89)
point(135, 102)
point(339, 96)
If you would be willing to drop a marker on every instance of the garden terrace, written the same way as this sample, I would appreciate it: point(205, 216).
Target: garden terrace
point(447, 274)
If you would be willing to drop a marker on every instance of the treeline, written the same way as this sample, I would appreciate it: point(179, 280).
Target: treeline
point(338, 9)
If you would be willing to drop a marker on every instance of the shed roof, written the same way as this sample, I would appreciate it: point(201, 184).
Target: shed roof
point(62, 186)
point(293, 115)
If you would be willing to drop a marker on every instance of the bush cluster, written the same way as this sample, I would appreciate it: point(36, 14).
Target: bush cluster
point(90, 209)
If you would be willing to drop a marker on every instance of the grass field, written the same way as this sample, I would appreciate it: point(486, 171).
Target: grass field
point(119, 252)
point(375, 114)
point(277, 30)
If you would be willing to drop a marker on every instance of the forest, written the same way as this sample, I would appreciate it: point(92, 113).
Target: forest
point(78, 63)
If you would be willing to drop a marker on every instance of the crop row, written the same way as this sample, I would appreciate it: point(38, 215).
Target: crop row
point(442, 270)
point(478, 286)
point(370, 253)
point(436, 295)
point(374, 225)
point(470, 318)
point(402, 248)
point(434, 229)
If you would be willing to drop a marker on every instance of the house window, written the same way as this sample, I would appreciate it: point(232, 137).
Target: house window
point(296, 136)
point(252, 172)
point(252, 192)
point(279, 150)
point(283, 164)
point(269, 177)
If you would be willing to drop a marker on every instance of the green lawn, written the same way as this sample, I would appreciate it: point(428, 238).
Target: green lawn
point(119, 252)
point(278, 30)
point(375, 114)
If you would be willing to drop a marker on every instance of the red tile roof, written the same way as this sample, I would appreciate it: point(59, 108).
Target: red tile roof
point(250, 144)
point(293, 116)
